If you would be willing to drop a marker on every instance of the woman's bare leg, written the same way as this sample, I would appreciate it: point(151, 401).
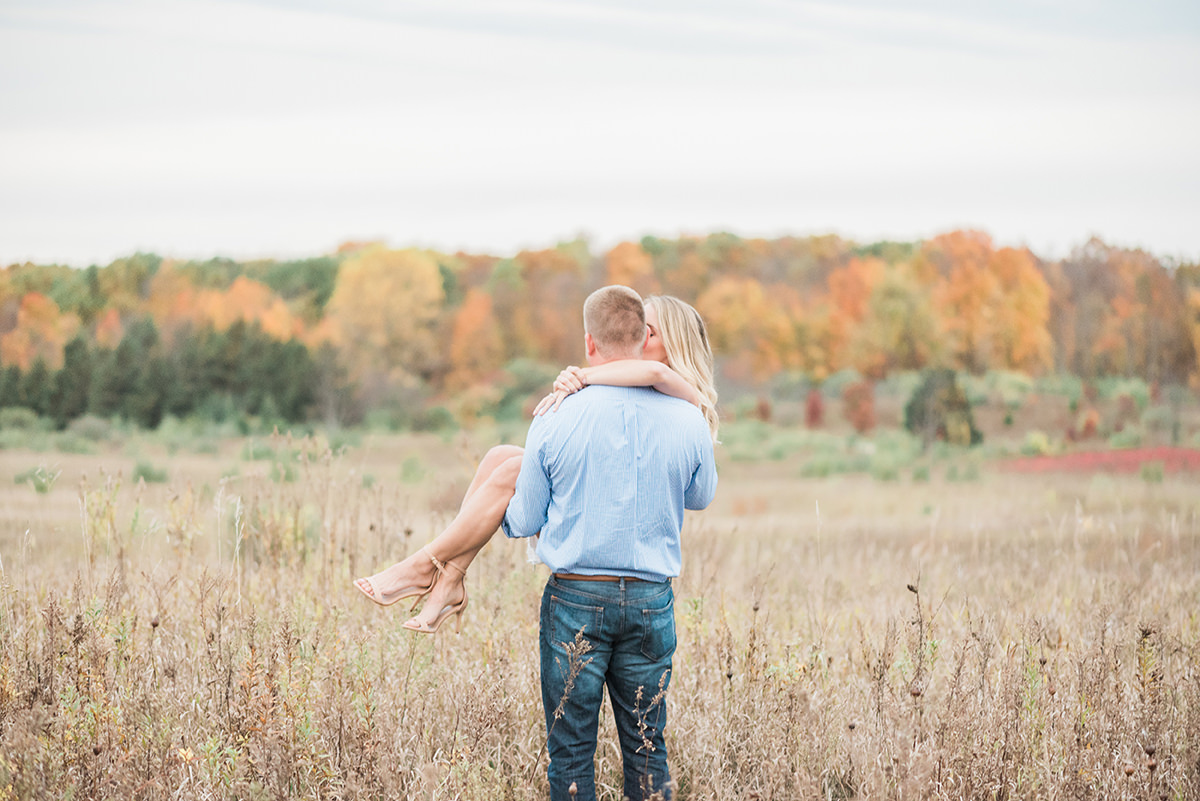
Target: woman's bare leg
point(478, 518)
point(477, 521)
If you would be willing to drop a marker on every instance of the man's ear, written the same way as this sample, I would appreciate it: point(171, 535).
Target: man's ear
point(590, 345)
point(646, 339)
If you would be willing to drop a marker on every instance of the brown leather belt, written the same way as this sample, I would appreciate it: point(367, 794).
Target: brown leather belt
point(577, 577)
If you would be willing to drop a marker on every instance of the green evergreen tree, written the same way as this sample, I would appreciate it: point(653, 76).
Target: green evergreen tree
point(72, 383)
point(10, 386)
point(116, 374)
point(37, 388)
point(191, 382)
point(148, 401)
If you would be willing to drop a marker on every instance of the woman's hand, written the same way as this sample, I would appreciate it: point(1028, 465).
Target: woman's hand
point(549, 403)
point(569, 381)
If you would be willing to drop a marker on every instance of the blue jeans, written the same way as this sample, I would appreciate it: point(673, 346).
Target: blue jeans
point(619, 634)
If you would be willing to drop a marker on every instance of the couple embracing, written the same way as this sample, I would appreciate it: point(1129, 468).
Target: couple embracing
point(604, 479)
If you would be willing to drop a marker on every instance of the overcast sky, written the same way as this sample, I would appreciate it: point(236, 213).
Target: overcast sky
point(194, 128)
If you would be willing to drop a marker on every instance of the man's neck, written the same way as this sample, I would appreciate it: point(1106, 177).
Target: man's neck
point(599, 359)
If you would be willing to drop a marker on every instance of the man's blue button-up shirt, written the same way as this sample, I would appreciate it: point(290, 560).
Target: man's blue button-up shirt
point(605, 480)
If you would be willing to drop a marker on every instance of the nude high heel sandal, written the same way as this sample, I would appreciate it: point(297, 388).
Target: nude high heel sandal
point(446, 611)
point(367, 587)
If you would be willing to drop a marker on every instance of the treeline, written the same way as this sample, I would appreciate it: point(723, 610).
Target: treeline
point(417, 337)
point(217, 374)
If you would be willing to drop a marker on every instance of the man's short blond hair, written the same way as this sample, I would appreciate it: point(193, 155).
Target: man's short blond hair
point(616, 319)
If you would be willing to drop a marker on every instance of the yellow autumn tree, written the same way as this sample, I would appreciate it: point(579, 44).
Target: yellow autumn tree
point(898, 331)
point(751, 326)
point(383, 315)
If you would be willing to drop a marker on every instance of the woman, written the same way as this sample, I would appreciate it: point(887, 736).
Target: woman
point(677, 360)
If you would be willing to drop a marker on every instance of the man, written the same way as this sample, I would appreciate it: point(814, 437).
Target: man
point(605, 479)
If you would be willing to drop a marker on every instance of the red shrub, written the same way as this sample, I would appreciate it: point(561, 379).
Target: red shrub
point(814, 409)
point(762, 410)
point(858, 401)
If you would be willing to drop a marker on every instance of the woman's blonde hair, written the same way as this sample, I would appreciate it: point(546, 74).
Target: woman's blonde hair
point(688, 351)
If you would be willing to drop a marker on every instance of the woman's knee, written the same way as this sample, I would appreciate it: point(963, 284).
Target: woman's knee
point(497, 455)
point(505, 474)
point(495, 458)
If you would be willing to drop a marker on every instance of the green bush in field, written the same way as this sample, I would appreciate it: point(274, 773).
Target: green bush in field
point(834, 385)
point(40, 478)
point(411, 470)
point(255, 450)
point(1153, 472)
point(15, 438)
point(901, 384)
point(72, 443)
point(283, 472)
point(1037, 444)
point(1061, 385)
point(19, 418)
point(91, 427)
point(145, 471)
point(1130, 437)
point(885, 467)
point(1111, 388)
point(342, 440)
point(900, 444)
point(968, 472)
point(818, 467)
point(754, 440)
point(939, 410)
point(1158, 418)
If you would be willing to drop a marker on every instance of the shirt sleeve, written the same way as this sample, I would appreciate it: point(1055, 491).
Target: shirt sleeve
point(526, 513)
point(700, 492)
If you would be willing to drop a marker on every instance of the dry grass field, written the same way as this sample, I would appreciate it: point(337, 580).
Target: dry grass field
point(950, 632)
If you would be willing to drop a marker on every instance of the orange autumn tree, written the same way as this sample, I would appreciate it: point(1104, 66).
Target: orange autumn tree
point(1127, 313)
point(683, 270)
point(963, 294)
point(41, 332)
point(537, 298)
point(630, 265)
point(1020, 313)
point(248, 301)
point(753, 328)
point(993, 307)
point(109, 329)
point(850, 288)
point(476, 349)
point(1193, 306)
point(172, 299)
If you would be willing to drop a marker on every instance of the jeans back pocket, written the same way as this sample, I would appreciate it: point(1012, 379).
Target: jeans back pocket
point(567, 620)
point(658, 632)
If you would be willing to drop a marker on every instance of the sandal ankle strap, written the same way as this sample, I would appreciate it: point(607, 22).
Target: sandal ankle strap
point(441, 566)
